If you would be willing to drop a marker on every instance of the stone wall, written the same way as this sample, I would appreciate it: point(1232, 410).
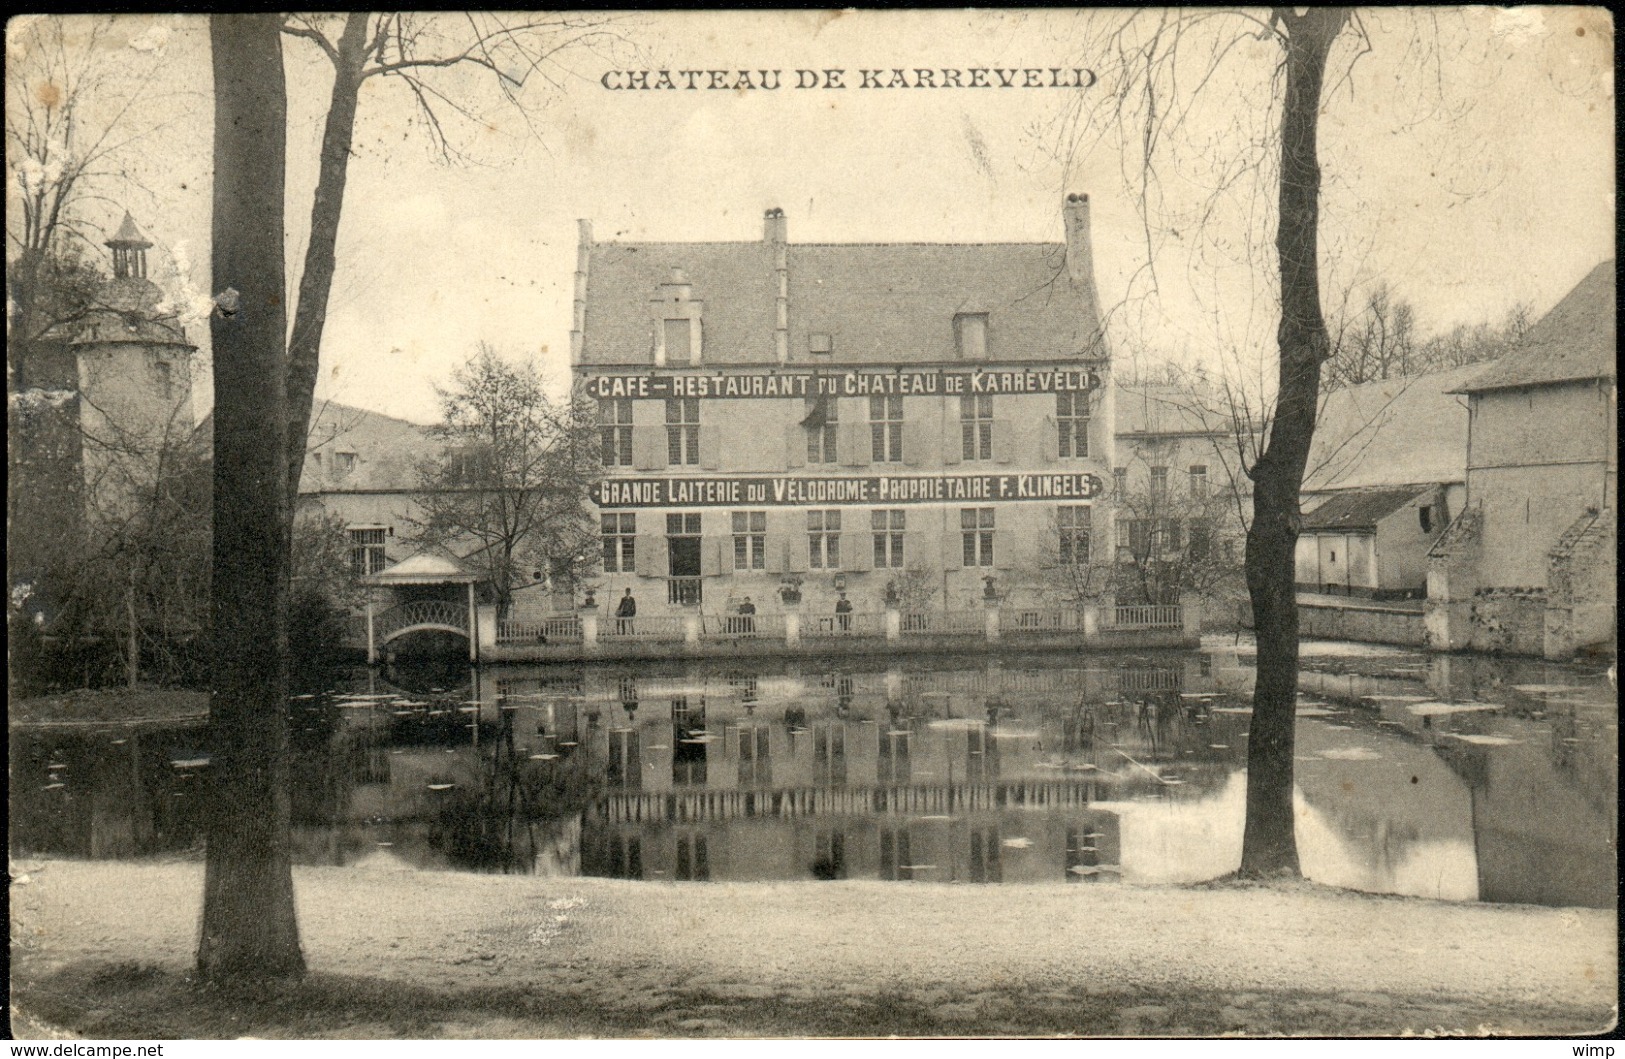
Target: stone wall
point(1367, 623)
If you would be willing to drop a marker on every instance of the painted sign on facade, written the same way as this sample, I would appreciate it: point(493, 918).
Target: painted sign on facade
point(865, 383)
point(782, 491)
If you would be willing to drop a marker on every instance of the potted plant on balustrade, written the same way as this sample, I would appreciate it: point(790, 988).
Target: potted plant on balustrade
point(790, 590)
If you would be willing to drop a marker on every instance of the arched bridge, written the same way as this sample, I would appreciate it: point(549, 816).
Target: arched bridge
point(420, 616)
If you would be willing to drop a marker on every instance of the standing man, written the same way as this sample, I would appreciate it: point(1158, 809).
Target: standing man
point(843, 613)
point(625, 611)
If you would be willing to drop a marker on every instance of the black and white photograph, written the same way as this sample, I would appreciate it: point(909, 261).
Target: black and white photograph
point(798, 525)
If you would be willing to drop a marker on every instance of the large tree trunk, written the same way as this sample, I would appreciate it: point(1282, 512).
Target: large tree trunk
point(1269, 846)
point(249, 927)
point(316, 281)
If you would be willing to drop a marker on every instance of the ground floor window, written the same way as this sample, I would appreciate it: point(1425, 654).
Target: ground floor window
point(1074, 527)
point(888, 534)
point(976, 534)
point(367, 549)
point(620, 542)
point(824, 540)
point(750, 540)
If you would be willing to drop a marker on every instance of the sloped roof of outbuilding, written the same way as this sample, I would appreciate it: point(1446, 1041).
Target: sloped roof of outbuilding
point(1576, 341)
point(1358, 509)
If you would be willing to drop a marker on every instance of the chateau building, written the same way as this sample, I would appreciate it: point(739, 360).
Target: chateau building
point(783, 423)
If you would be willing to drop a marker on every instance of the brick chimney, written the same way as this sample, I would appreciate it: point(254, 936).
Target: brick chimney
point(1080, 264)
point(776, 234)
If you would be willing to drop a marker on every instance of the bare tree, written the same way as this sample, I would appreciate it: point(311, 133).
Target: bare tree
point(429, 56)
point(249, 926)
point(510, 487)
point(1155, 67)
point(1380, 343)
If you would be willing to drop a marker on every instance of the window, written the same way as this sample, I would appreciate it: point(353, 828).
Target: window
point(683, 430)
point(822, 422)
point(976, 426)
point(1167, 534)
point(615, 430)
point(620, 543)
point(1201, 539)
point(367, 549)
point(755, 756)
point(1159, 482)
point(976, 531)
point(823, 540)
point(750, 540)
point(888, 531)
point(1425, 515)
point(1198, 480)
point(1138, 532)
point(970, 334)
point(344, 462)
point(1119, 481)
point(1072, 423)
point(886, 429)
point(680, 342)
point(166, 384)
point(1074, 523)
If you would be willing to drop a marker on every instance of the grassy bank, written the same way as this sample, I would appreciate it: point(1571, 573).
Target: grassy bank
point(96, 706)
point(103, 950)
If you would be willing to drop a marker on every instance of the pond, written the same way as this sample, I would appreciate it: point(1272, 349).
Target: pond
point(1440, 776)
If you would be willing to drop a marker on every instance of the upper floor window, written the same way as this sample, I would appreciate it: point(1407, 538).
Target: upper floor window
point(976, 533)
point(976, 426)
point(1119, 481)
point(970, 334)
point(683, 430)
point(344, 462)
point(750, 540)
point(615, 430)
point(823, 425)
point(824, 539)
point(1072, 423)
point(1159, 482)
point(885, 429)
point(680, 342)
point(166, 383)
point(1198, 480)
point(367, 549)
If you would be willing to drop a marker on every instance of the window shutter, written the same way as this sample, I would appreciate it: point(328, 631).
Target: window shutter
point(915, 555)
point(711, 558)
point(952, 441)
point(649, 448)
point(651, 558)
point(710, 445)
point(1052, 440)
point(795, 445)
point(1001, 441)
point(780, 531)
point(795, 548)
point(854, 442)
point(857, 547)
point(915, 440)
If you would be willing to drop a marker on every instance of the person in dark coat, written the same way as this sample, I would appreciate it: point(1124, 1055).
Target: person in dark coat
point(625, 611)
point(843, 613)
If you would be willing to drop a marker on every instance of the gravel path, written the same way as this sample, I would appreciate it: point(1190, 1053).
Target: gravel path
point(863, 957)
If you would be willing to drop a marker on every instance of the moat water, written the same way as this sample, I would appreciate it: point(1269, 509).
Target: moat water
point(1439, 776)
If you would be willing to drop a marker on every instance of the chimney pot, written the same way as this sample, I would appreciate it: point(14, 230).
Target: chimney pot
point(775, 227)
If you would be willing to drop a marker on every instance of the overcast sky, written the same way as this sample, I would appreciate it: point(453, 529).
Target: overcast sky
point(1510, 201)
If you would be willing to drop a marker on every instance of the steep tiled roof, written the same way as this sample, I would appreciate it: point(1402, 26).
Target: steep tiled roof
point(387, 450)
point(893, 303)
point(1391, 432)
point(1358, 509)
point(1577, 340)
